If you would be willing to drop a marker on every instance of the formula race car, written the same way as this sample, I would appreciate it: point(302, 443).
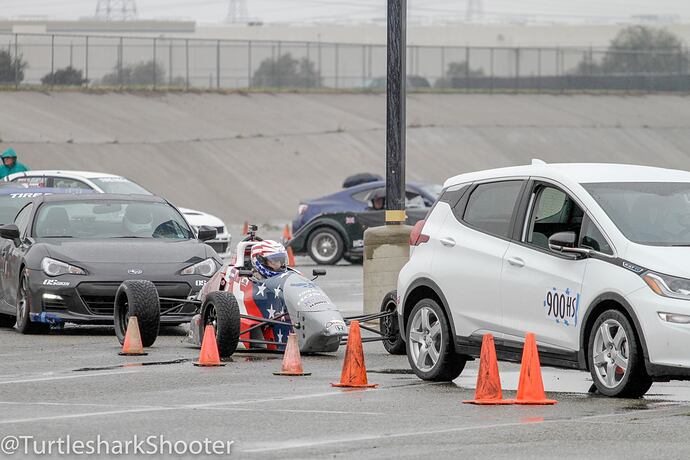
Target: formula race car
point(258, 314)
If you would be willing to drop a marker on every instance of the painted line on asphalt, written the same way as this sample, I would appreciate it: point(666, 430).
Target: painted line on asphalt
point(204, 406)
point(293, 411)
point(364, 438)
point(64, 377)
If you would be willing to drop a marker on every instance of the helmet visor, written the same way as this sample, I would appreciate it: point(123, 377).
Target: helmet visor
point(275, 262)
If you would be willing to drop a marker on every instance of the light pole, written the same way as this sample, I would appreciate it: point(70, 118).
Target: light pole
point(386, 248)
point(395, 112)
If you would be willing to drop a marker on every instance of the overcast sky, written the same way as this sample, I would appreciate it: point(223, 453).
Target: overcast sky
point(213, 11)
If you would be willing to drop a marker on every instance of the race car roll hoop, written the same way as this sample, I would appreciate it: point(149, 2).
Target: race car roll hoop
point(256, 314)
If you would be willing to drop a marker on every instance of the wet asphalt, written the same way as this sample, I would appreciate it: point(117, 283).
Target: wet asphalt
point(73, 383)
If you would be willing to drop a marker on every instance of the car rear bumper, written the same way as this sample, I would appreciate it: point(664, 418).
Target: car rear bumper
point(221, 244)
point(89, 301)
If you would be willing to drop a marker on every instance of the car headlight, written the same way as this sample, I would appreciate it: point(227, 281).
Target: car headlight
point(52, 267)
point(206, 268)
point(668, 286)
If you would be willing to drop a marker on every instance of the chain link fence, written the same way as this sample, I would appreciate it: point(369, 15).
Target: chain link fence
point(28, 60)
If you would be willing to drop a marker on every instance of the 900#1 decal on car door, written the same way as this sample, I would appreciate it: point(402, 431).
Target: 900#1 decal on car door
point(562, 306)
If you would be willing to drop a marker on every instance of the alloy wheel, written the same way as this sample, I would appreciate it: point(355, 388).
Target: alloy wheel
point(425, 339)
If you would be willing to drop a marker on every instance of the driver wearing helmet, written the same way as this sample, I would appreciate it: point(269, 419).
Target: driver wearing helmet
point(269, 259)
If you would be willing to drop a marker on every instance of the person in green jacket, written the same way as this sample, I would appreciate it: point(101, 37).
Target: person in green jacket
point(10, 165)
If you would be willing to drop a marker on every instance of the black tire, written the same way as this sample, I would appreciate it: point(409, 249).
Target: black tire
point(7, 320)
point(23, 320)
point(222, 311)
point(330, 256)
point(390, 327)
point(635, 381)
point(137, 298)
point(449, 365)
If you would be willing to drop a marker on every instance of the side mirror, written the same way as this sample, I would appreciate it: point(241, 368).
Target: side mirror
point(9, 232)
point(318, 272)
point(565, 242)
point(207, 233)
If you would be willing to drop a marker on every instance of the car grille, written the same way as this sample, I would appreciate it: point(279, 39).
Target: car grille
point(220, 248)
point(99, 298)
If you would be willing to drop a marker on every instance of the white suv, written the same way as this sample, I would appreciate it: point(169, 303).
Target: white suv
point(592, 258)
point(109, 183)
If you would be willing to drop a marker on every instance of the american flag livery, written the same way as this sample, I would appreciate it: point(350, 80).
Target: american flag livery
point(263, 299)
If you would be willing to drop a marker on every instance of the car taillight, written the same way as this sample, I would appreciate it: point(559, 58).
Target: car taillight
point(302, 209)
point(417, 237)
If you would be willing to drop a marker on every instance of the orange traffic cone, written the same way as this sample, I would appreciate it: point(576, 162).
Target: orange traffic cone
point(291, 257)
point(209, 350)
point(132, 345)
point(531, 386)
point(245, 228)
point(354, 373)
point(488, 381)
point(286, 234)
point(292, 361)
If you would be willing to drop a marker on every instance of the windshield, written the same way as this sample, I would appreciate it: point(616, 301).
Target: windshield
point(651, 213)
point(110, 219)
point(120, 185)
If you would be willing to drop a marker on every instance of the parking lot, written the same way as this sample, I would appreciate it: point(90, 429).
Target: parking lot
point(73, 382)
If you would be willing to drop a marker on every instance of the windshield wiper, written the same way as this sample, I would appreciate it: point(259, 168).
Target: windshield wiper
point(65, 236)
point(132, 236)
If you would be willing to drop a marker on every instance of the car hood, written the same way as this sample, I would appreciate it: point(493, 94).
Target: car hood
point(667, 260)
point(198, 218)
point(125, 251)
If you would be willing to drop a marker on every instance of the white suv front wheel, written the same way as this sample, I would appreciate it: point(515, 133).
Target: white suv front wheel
point(430, 349)
point(615, 357)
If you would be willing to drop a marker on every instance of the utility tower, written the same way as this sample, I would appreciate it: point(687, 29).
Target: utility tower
point(116, 10)
point(475, 11)
point(237, 12)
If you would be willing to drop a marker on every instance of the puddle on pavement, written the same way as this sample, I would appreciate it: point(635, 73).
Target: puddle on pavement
point(391, 371)
point(121, 366)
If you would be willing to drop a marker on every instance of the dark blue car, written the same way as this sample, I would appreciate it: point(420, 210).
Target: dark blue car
point(357, 199)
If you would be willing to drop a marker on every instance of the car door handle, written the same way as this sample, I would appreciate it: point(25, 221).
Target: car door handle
point(516, 262)
point(448, 242)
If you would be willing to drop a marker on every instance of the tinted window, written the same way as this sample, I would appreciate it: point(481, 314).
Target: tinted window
point(41, 181)
point(64, 182)
point(361, 196)
point(490, 206)
point(592, 238)
point(553, 212)
point(22, 219)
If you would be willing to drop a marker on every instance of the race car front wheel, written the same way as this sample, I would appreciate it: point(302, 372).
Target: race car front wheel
point(221, 310)
point(615, 357)
point(325, 246)
point(24, 323)
point(138, 298)
point(430, 348)
point(393, 341)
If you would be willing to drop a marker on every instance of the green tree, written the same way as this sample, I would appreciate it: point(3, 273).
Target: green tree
point(67, 76)
point(141, 73)
point(11, 68)
point(456, 74)
point(639, 49)
point(285, 71)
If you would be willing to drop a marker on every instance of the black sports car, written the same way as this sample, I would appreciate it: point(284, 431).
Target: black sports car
point(64, 257)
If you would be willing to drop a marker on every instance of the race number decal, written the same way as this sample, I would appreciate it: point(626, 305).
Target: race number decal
point(562, 306)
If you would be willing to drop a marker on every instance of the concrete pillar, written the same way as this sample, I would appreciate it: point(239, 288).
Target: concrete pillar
point(386, 250)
